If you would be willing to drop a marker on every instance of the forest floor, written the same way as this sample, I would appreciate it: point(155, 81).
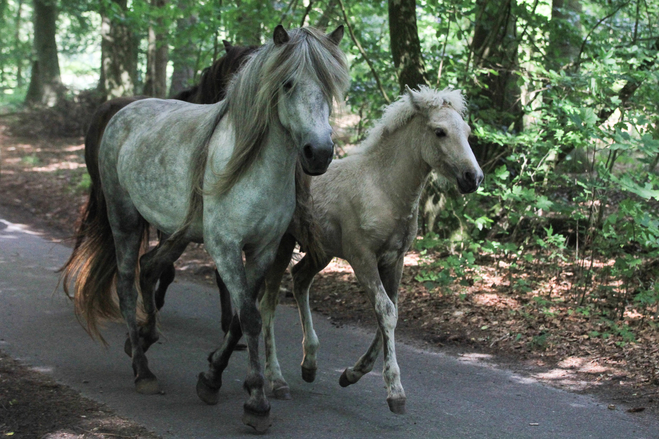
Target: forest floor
point(538, 332)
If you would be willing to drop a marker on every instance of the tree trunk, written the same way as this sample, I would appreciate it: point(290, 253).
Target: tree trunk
point(17, 45)
point(328, 14)
point(183, 55)
point(46, 87)
point(495, 47)
point(118, 69)
point(405, 45)
point(155, 83)
point(564, 33)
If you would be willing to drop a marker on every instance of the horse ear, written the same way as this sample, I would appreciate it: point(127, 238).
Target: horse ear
point(227, 46)
point(413, 98)
point(281, 36)
point(337, 35)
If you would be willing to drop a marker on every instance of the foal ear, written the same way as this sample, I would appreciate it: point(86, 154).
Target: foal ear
point(337, 35)
point(413, 98)
point(227, 46)
point(281, 36)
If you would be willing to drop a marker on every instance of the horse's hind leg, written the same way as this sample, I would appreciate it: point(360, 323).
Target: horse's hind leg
point(267, 307)
point(166, 278)
point(152, 265)
point(303, 274)
point(127, 230)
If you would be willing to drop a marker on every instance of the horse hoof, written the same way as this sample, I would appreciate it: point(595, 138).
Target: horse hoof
point(282, 392)
point(258, 421)
point(128, 347)
point(396, 405)
point(308, 375)
point(344, 381)
point(207, 393)
point(147, 386)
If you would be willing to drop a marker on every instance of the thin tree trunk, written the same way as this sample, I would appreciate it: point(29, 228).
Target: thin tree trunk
point(47, 85)
point(495, 47)
point(405, 44)
point(184, 54)
point(117, 55)
point(328, 14)
point(17, 46)
point(157, 57)
point(564, 33)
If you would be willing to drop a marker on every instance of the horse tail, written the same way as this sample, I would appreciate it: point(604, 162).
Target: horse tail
point(93, 262)
point(308, 231)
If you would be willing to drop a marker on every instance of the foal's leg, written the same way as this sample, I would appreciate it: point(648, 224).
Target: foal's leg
point(303, 274)
point(390, 276)
point(243, 284)
point(268, 304)
point(367, 273)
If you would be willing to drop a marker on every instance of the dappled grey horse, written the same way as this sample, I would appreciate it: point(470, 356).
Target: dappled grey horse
point(220, 174)
point(367, 208)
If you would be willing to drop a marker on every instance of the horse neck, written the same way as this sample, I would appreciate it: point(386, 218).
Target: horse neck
point(400, 169)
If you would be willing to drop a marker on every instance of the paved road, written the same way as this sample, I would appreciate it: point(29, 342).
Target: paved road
point(447, 398)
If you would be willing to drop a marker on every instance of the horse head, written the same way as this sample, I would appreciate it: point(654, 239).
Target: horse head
point(305, 95)
point(446, 141)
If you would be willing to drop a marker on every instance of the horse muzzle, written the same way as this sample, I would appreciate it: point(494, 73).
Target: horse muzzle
point(316, 158)
point(469, 181)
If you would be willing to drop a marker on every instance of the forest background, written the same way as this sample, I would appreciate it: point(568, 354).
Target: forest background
point(563, 101)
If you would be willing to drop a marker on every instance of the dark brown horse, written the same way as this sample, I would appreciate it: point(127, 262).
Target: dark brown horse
point(210, 89)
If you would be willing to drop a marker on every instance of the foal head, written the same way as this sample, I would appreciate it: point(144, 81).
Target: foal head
point(446, 139)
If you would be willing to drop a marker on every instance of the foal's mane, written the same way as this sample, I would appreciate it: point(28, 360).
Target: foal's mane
point(398, 113)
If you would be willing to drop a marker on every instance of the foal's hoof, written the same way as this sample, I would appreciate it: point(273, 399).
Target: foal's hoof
point(258, 421)
point(282, 392)
point(207, 393)
point(396, 405)
point(344, 381)
point(147, 386)
point(308, 375)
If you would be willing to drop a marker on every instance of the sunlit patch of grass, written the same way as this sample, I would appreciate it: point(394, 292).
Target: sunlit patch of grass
point(30, 160)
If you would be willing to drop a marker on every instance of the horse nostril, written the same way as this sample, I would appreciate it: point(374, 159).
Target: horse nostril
point(308, 152)
point(470, 176)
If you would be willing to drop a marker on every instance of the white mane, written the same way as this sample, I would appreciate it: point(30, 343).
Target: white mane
point(401, 111)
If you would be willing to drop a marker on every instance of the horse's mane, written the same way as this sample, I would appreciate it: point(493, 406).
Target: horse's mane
point(403, 109)
point(251, 100)
point(214, 79)
point(252, 94)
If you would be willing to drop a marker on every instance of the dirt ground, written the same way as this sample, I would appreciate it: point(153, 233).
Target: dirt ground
point(43, 184)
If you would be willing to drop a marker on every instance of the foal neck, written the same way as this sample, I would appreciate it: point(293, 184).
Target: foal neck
point(397, 160)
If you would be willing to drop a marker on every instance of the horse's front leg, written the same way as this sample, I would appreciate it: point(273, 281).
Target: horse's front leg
point(303, 274)
point(268, 305)
point(385, 308)
point(243, 283)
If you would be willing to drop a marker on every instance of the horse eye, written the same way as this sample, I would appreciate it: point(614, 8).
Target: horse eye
point(439, 132)
point(288, 85)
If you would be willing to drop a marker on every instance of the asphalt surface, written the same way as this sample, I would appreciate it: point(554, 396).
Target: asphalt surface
point(446, 397)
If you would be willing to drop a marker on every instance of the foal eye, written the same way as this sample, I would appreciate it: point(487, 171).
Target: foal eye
point(288, 85)
point(439, 132)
